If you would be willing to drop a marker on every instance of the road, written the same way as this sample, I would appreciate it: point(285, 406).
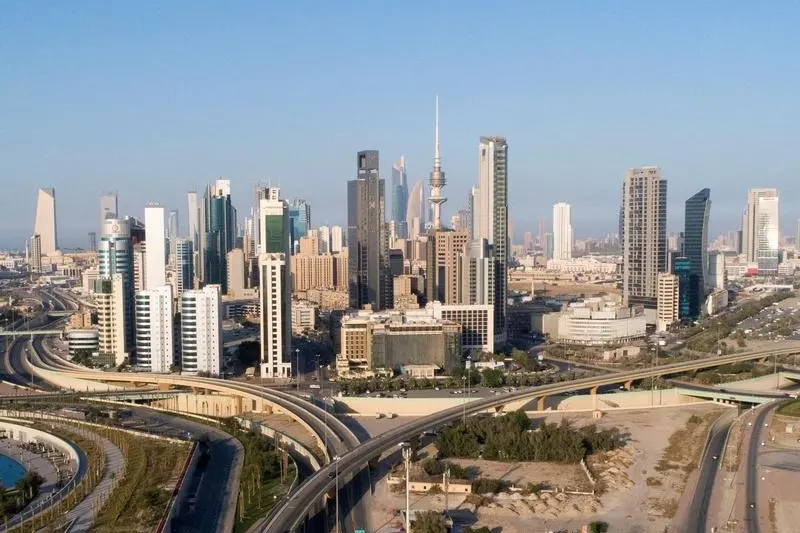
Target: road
point(754, 447)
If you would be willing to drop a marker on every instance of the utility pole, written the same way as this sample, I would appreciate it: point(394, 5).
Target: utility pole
point(407, 458)
point(336, 461)
point(446, 479)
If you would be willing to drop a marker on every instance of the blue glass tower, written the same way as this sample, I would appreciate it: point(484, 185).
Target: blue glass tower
point(695, 248)
point(682, 267)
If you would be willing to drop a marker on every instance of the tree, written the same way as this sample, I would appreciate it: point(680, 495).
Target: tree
point(492, 377)
point(249, 353)
point(428, 522)
point(598, 527)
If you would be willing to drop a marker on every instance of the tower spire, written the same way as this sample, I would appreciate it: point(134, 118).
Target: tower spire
point(437, 178)
point(437, 157)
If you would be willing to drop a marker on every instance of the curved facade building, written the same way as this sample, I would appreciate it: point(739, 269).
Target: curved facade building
point(695, 249)
point(83, 341)
point(415, 211)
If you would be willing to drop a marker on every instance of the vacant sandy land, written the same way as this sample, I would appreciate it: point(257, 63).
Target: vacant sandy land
point(566, 476)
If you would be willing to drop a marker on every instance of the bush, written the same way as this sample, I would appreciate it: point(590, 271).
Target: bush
point(489, 486)
point(598, 527)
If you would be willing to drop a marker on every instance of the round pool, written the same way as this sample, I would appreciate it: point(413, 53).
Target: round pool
point(10, 471)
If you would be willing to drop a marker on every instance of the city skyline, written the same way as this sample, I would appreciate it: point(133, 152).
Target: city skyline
point(576, 143)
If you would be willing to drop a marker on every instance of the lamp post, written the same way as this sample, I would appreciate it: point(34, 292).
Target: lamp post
point(469, 381)
point(463, 383)
point(336, 466)
point(297, 367)
point(407, 459)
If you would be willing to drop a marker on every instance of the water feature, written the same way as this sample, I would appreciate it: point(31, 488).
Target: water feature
point(10, 471)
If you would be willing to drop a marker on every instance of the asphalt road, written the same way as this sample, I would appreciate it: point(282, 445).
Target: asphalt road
point(697, 517)
point(752, 518)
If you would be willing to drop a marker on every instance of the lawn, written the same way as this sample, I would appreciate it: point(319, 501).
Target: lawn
point(790, 409)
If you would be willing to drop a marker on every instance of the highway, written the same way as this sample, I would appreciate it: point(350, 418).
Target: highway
point(754, 446)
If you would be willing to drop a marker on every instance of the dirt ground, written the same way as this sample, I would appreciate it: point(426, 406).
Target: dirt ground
point(628, 503)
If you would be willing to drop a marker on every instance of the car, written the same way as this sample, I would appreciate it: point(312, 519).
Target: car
point(331, 475)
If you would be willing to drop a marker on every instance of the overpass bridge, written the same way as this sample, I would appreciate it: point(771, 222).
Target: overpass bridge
point(30, 332)
point(726, 396)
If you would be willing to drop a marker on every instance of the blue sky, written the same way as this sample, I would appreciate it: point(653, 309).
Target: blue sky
point(156, 98)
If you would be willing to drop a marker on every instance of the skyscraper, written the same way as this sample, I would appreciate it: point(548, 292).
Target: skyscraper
point(300, 220)
point(109, 207)
point(644, 249)
point(45, 223)
point(35, 263)
point(767, 235)
point(682, 269)
point(367, 242)
point(219, 233)
point(184, 266)
point(192, 219)
point(415, 213)
point(156, 250)
point(492, 220)
point(173, 225)
point(113, 324)
point(154, 329)
point(562, 232)
point(400, 197)
point(750, 222)
point(695, 248)
point(324, 236)
point(437, 178)
point(201, 331)
point(115, 257)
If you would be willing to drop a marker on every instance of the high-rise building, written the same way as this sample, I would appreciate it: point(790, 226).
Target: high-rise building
point(437, 179)
point(201, 331)
point(324, 240)
point(275, 228)
point(193, 219)
point(493, 221)
point(276, 315)
point(155, 348)
point(716, 271)
point(35, 263)
point(750, 222)
point(155, 237)
point(767, 235)
point(542, 234)
point(112, 317)
point(368, 269)
point(400, 198)
point(115, 256)
point(549, 243)
point(236, 279)
point(682, 269)
point(184, 266)
point(337, 239)
point(695, 247)
point(527, 241)
point(92, 241)
point(644, 249)
point(139, 266)
point(45, 223)
point(219, 232)
point(443, 252)
point(109, 207)
point(473, 202)
point(562, 232)
point(667, 300)
point(173, 225)
point(415, 213)
point(475, 273)
point(299, 221)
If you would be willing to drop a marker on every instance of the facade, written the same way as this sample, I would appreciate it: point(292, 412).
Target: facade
point(139, 266)
point(598, 322)
point(668, 301)
point(716, 271)
point(304, 316)
point(400, 198)
point(443, 252)
point(644, 247)
point(108, 207)
point(115, 256)
point(276, 315)
point(218, 233)
point(337, 239)
point(45, 223)
point(324, 240)
point(84, 340)
point(193, 219)
point(767, 235)
point(415, 211)
point(682, 268)
point(109, 298)
point(201, 331)
point(475, 275)
point(275, 231)
point(236, 279)
point(35, 251)
point(476, 321)
point(299, 220)
point(155, 237)
point(184, 265)
point(155, 348)
point(325, 271)
point(751, 225)
point(492, 218)
point(695, 246)
point(716, 302)
point(562, 232)
point(549, 243)
point(369, 281)
point(173, 225)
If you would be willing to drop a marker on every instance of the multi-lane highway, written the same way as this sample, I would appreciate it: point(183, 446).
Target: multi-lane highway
point(751, 488)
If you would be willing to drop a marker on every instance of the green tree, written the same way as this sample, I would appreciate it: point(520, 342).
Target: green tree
point(249, 353)
point(598, 527)
point(492, 377)
point(428, 522)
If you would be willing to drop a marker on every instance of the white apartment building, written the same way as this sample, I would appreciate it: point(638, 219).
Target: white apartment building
point(304, 316)
point(276, 315)
point(562, 232)
point(201, 330)
point(154, 329)
point(109, 297)
point(155, 274)
point(585, 265)
point(668, 301)
point(476, 321)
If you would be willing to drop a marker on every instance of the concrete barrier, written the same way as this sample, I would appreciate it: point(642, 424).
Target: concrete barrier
point(288, 442)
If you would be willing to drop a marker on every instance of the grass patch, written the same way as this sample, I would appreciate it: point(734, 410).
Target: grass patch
point(790, 408)
point(686, 445)
point(653, 482)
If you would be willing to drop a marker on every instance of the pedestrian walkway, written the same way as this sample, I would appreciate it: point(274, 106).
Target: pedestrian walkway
point(35, 462)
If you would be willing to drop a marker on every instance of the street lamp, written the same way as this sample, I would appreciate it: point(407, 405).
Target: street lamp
point(297, 367)
point(336, 466)
point(407, 458)
point(463, 382)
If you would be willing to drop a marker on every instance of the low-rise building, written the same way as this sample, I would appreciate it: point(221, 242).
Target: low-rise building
point(304, 316)
point(716, 301)
point(668, 304)
point(596, 322)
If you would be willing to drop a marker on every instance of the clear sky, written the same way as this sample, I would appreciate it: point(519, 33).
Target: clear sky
point(153, 99)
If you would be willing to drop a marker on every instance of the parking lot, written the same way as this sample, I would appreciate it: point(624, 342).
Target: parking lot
point(778, 322)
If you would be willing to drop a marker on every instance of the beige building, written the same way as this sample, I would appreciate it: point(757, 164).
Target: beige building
point(304, 316)
point(309, 245)
point(236, 277)
point(668, 300)
point(444, 249)
point(596, 322)
point(109, 299)
point(315, 271)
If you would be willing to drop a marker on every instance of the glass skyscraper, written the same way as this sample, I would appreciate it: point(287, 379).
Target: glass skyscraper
point(400, 198)
point(695, 248)
point(299, 220)
point(219, 233)
point(682, 268)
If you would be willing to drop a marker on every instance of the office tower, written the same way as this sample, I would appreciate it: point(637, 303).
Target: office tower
point(109, 207)
point(201, 331)
point(368, 268)
point(173, 226)
point(750, 222)
point(276, 315)
point(193, 219)
point(400, 197)
point(437, 179)
point(45, 223)
point(493, 220)
point(115, 256)
point(156, 251)
point(527, 241)
point(92, 241)
point(542, 234)
point(667, 300)
point(300, 220)
point(184, 265)
point(112, 313)
point(695, 247)
point(644, 248)
point(443, 251)
point(137, 230)
point(767, 235)
point(35, 254)
point(562, 232)
point(475, 274)
point(154, 334)
point(236, 279)
point(275, 221)
point(415, 214)
point(549, 243)
point(218, 233)
point(682, 269)
point(324, 239)
point(716, 271)
point(337, 239)
point(139, 266)
point(473, 199)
